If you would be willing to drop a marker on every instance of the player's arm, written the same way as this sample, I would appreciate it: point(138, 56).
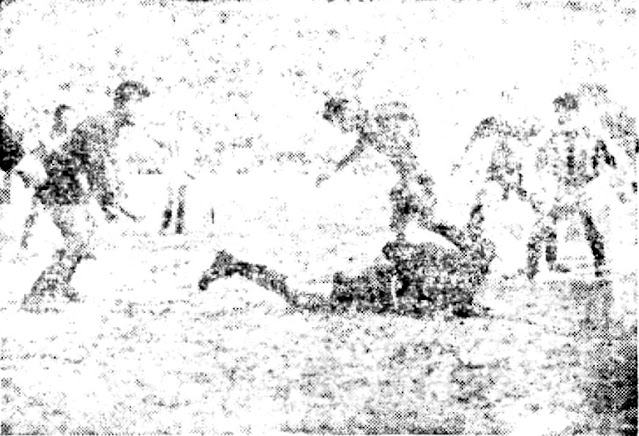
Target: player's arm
point(93, 172)
point(352, 155)
point(619, 155)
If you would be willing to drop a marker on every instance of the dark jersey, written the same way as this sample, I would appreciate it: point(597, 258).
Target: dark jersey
point(11, 149)
point(84, 166)
point(391, 130)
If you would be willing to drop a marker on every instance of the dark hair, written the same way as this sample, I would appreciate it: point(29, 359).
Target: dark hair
point(60, 109)
point(568, 101)
point(334, 107)
point(127, 89)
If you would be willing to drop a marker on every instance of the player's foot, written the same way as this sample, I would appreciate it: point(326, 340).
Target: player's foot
point(559, 268)
point(49, 294)
point(602, 271)
point(218, 269)
point(467, 310)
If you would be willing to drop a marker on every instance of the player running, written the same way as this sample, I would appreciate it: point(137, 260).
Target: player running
point(392, 130)
point(83, 187)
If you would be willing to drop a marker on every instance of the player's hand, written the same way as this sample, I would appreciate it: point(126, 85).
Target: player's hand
point(321, 179)
point(109, 214)
point(127, 213)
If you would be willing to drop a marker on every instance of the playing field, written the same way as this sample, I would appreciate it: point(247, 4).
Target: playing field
point(147, 352)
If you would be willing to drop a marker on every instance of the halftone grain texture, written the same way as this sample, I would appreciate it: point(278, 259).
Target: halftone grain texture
point(243, 86)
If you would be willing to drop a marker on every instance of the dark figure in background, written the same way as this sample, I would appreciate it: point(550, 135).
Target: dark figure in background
point(579, 150)
point(501, 161)
point(83, 183)
point(551, 171)
point(176, 202)
point(178, 169)
point(11, 153)
point(35, 166)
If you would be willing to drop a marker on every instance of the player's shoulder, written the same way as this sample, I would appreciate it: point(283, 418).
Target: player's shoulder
point(96, 121)
point(96, 127)
point(393, 109)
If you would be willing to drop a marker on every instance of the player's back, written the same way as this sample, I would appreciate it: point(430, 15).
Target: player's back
point(392, 129)
point(85, 154)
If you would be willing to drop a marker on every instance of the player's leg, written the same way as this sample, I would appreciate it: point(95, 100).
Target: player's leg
point(181, 207)
point(167, 213)
point(463, 238)
point(227, 265)
point(421, 201)
point(400, 210)
point(5, 187)
point(544, 232)
point(595, 240)
point(77, 226)
point(29, 222)
point(551, 242)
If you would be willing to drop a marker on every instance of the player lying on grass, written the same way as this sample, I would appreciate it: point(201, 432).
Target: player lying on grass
point(415, 278)
point(412, 274)
point(418, 279)
point(392, 130)
point(82, 188)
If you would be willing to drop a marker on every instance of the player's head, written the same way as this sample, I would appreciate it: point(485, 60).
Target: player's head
point(566, 106)
point(130, 91)
point(129, 97)
point(337, 111)
point(64, 118)
point(486, 128)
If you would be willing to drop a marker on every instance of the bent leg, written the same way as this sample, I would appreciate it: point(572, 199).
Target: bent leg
point(77, 226)
point(5, 187)
point(402, 205)
point(544, 232)
point(595, 240)
point(29, 223)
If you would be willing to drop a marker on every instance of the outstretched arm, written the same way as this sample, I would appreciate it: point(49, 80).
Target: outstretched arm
point(357, 150)
point(351, 156)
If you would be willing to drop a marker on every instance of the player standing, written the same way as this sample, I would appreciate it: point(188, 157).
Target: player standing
point(392, 130)
point(84, 186)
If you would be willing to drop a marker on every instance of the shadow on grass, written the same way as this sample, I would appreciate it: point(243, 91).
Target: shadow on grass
point(610, 358)
point(382, 422)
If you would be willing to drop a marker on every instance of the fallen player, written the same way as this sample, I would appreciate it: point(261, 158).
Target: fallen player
point(414, 278)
